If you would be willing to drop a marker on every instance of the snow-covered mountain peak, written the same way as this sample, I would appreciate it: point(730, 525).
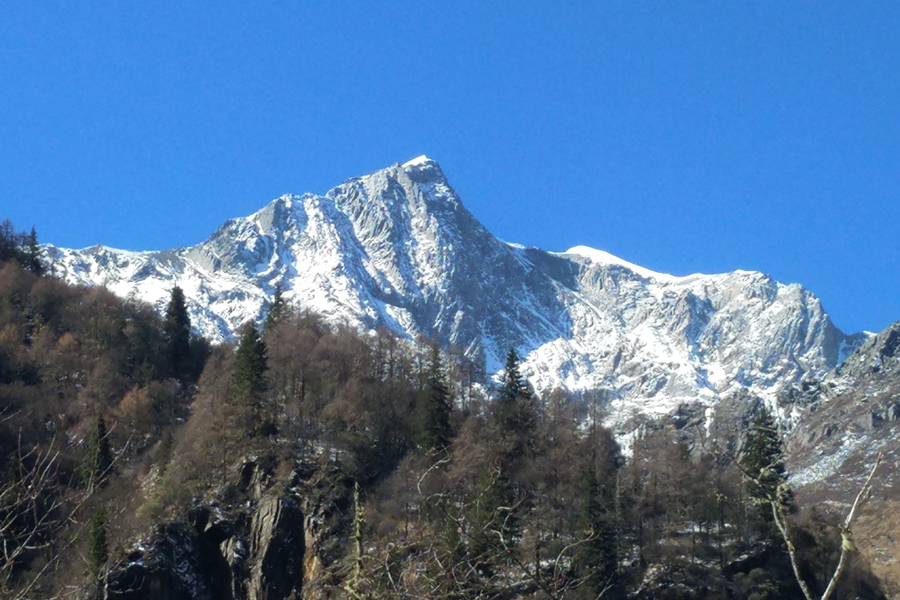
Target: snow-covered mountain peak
point(418, 161)
point(398, 249)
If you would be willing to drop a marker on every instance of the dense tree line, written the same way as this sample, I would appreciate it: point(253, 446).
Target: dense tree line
point(114, 419)
point(506, 494)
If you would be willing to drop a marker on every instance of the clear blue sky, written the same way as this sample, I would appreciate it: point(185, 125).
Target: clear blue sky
point(682, 136)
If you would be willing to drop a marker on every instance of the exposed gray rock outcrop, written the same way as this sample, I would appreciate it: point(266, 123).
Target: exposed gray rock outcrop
point(221, 560)
point(279, 540)
point(398, 249)
point(276, 548)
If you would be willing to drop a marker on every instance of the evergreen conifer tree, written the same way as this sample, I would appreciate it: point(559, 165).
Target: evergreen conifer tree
point(98, 459)
point(33, 253)
point(435, 406)
point(763, 463)
point(515, 410)
point(597, 558)
point(98, 549)
point(249, 376)
point(278, 308)
point(177, 335)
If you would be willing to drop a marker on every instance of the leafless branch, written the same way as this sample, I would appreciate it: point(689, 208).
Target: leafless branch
point(33, 509)
point(846, 534)
point(781, 522)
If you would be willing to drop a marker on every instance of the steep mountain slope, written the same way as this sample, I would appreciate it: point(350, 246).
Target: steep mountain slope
point(398, 249)
point(848, 417)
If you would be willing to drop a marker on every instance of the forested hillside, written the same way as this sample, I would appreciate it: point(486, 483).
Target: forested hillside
point(313, 461)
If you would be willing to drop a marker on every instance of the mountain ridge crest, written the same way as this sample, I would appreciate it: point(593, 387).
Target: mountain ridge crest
point(398, 249)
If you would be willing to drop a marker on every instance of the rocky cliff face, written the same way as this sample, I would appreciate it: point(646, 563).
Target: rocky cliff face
point(397, 249)
point(283, 541)
point(850, 414)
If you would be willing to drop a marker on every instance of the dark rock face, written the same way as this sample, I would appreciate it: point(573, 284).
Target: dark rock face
point(278, 540)
point(236, 558)
point(181, 565)
point(326, 501)
point(276, 537)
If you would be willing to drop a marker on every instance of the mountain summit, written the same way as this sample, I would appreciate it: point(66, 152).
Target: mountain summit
point(398, 249)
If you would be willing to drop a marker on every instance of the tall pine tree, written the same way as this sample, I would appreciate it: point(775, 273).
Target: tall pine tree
point(435, 406)
point(515, 410)
point(98, 460)
point(762, 461)
point(32, 252)
point(278, 308)
point(98, 547)
point(177, 335)
point(249, 379)
point(504, 498)
point(597, 559)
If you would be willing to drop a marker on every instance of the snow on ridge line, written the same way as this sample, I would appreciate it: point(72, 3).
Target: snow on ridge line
point(565, 335)
point(417, 161)
point(605, 258)
point(100, 247)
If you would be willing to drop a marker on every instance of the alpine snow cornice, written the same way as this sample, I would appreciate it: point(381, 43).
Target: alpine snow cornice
point(398, 249)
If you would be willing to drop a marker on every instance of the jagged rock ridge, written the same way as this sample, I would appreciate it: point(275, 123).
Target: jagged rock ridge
point(398, 249)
